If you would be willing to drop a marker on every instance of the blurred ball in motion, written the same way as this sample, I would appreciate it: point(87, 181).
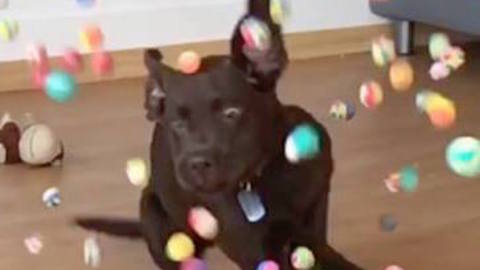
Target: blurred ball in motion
point(439, 71)
point(371, 94)
point(33, 244)
point(383, 51)
point(268, 265)
point(454, 58)
point(51, 197)
point(137, 172)
point(279, 10)
point(203, 223)
point(302, 143)
point(392, 183)
point(179, 247)
point(438, 44)
point(92, 254)
point(102, 63)
point(463, 156)
point(37, 56)
point(91, 38)
point(72, 61)
point(342, 110)
point(60, 86)
point(8, 29)
point(39, 77)
point(388, 223)
point(440, 110)
point(302, 258)
point(193, 264)
point(409, 179)
point(401, 75)
point(86, 3)
point(256, 34)
point(189, 62)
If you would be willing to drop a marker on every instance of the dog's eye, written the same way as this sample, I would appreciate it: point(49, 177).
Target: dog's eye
point(232, 113)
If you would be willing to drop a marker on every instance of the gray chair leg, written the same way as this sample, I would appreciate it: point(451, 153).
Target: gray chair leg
point(404, 37)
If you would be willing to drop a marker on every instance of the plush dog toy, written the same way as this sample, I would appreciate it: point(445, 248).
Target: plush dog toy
point(33, 143)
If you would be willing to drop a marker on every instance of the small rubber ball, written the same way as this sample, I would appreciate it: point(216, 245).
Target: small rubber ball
point(189, 62)
point(179, 247)
point(463, 156)
point(409, 179)
point(302, 143)
point(438, 44)
point(371, 94)
point(60, 86)
point(268, 265)
point(302, 258)
point(203, 223)
point(193, 264)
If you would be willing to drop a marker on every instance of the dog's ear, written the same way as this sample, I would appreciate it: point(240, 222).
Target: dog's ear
point(154, 91)
point(262, 66)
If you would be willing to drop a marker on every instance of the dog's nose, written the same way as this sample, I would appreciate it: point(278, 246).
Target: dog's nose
point(200, 165)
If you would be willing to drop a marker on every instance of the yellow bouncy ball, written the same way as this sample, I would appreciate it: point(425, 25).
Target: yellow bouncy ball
point(179, 247)
point(401, 75)
point(8, 30)
point(137, 172)
point(383, 51)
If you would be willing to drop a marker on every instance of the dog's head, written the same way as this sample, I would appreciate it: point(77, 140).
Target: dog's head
point(220, 121)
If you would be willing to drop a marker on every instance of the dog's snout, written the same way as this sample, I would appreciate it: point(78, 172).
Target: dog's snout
point(200, 165)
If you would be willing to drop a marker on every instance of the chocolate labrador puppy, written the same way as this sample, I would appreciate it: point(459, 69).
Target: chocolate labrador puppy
point(217, 132)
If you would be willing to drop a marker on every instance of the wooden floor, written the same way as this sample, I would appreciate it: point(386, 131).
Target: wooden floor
point(439, 225)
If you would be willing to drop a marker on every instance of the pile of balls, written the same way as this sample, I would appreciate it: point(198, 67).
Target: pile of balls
point(447, 58)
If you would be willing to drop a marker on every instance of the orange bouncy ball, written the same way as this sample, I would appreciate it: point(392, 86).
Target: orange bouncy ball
point(189, 62)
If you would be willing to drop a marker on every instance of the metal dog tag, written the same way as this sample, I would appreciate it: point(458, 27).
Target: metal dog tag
point(251, 204)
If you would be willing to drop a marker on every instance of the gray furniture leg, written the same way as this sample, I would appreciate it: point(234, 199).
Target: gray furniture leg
point(404, 37)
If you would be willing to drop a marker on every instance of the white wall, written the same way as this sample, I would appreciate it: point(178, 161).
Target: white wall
point(141, 23)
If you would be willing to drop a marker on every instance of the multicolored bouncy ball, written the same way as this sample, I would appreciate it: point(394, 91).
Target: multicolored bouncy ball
point(60, 86)
point(463, 156)
point(409, 179)
point(102, 63)
point(401, 75)
point(256, 34)
point(279, 10)
point(268, 265)
point(303, 143)
point(439, 71)
point(342, 110)
point(371, 94)
point(454, 58)
point(137, 172)
point(440, 110)
point(91, 38)
point(383, 51)
point(72, 61)
point(438, 44)
point(203, 223)
point(193, 264)
point(51, 197)
point(8, 29)
point(179, 247)
point(302, 258)
point(189, 62)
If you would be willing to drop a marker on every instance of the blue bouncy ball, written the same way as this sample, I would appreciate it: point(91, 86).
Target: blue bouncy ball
point(463, 156)
point(86, 3)
point(60, 86)
point(302, 143)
